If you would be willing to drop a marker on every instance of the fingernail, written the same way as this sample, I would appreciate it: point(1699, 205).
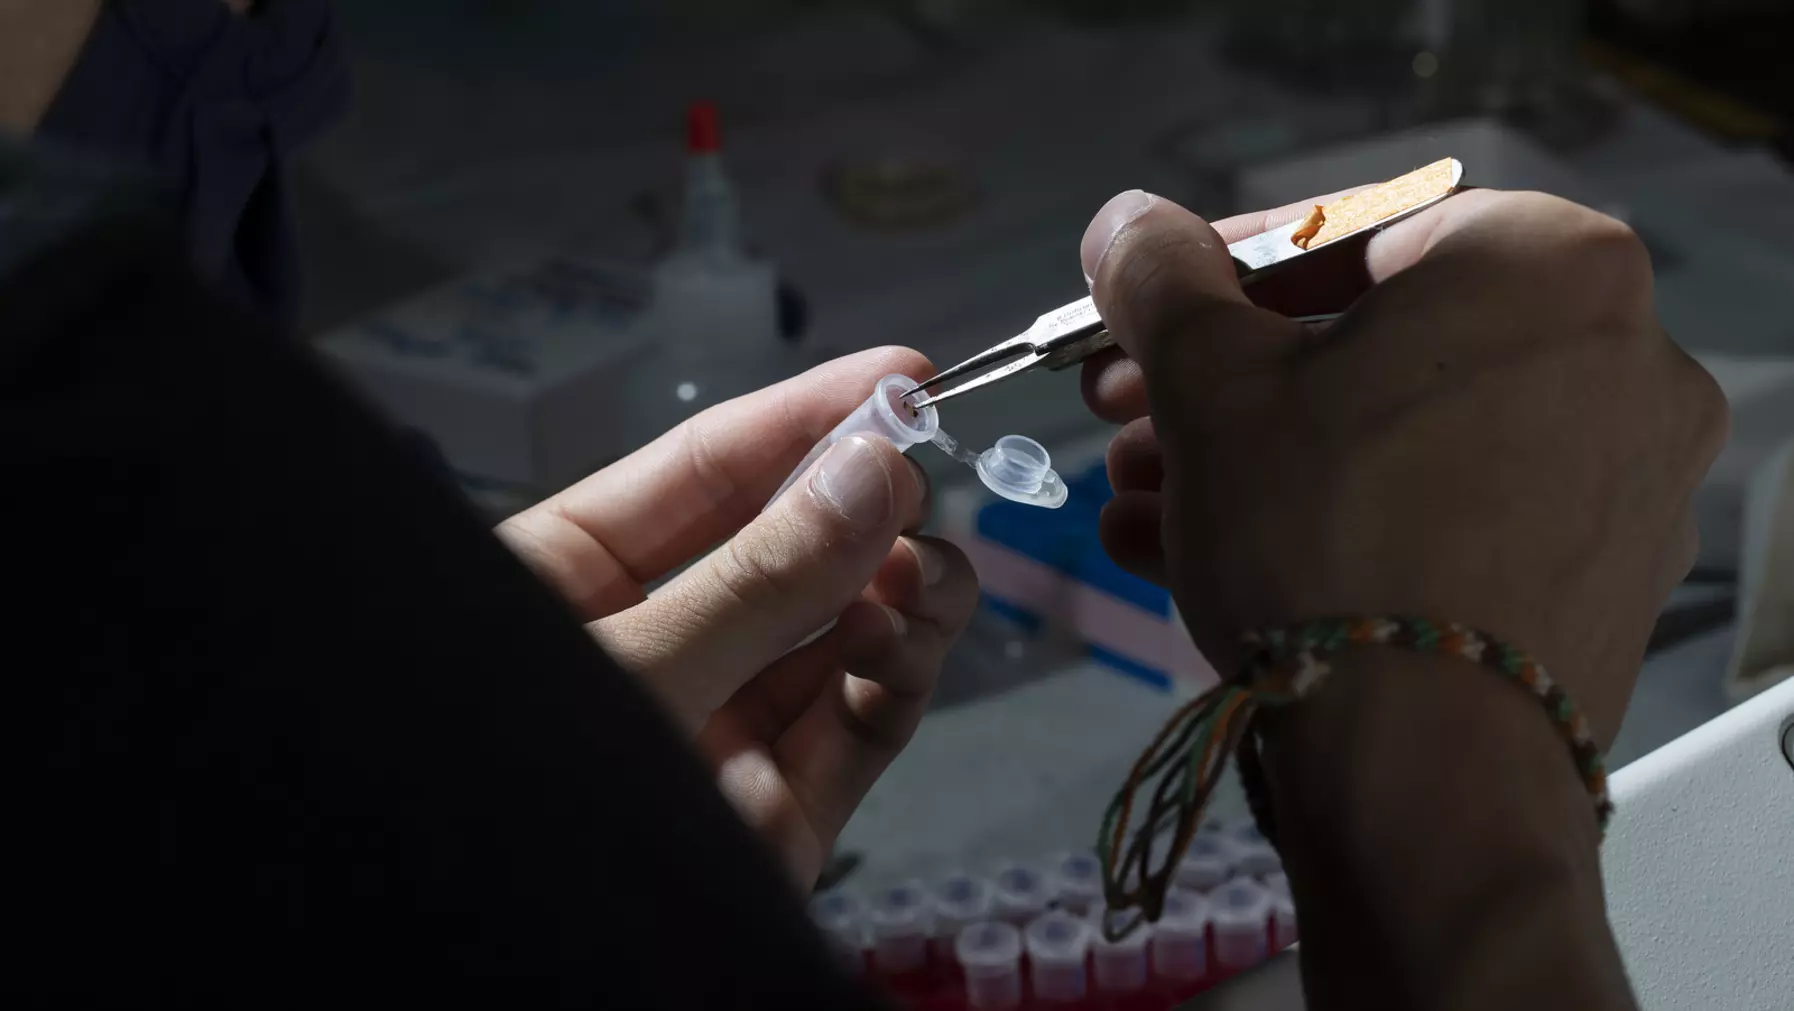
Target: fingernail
point(1123, 209)
point(899, 624)
point(921, 474)
point(852, 479)
point(928, 559)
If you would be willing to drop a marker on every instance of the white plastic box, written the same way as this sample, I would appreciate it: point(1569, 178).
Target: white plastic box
point(514, 375)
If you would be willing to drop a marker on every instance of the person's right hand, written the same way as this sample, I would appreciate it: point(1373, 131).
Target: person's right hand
point(1499, 433)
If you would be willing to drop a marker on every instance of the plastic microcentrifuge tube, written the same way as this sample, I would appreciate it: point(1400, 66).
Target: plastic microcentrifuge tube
point(1284, 931)
point(1022, 893)
point(959, 901)
point(884, 414)
point(1180, 938)
point(1120, 967)
point(991, 954)
point(1058, 943)
point(1207, 864)
point(1017, 467)
point(1241, 913)
point(1078, 878)
point(1253, 854)
point(841, 916)
point(902, 922)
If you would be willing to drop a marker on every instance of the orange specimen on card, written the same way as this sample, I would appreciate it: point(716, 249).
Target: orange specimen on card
point(1310, 227)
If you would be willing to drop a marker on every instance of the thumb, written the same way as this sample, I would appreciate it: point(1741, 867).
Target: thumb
point(789, 572)
point(1165, 284)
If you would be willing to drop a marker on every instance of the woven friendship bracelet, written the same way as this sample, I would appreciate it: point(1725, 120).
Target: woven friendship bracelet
point(1279, 668)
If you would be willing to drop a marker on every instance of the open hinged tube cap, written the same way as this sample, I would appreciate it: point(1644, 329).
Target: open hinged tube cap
point(1019, 469)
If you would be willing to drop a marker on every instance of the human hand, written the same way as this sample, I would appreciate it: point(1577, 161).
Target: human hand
point(797, 736)
point(1498, 432)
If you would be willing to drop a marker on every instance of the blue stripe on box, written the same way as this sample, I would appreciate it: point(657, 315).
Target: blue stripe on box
point(1066, 541)
point(1054, 538)
point(1096, 569)
point(1028, 620)
point(1132, 668)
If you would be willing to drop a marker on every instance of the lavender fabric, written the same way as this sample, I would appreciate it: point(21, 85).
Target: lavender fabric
point(218, 104)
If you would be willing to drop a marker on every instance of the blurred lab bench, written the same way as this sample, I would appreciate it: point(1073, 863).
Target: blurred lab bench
point(1099, 112)
point(488, 173)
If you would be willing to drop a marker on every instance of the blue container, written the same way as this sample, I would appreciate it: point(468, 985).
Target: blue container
point(1066, 541)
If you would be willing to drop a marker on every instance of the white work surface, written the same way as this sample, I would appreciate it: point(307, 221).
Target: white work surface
point(484, 169)
point(1699, 868)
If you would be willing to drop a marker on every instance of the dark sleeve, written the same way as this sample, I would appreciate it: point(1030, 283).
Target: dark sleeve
point(218, 105)
point(287, 726)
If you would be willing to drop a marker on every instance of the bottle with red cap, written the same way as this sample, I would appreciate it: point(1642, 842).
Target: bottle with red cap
point(716, 307)
point(711, 223)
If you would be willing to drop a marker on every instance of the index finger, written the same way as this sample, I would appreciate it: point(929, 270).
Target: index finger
point(671, 500)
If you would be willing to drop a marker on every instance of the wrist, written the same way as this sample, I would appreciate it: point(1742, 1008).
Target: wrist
point(1396, 749)
point(1420, 800)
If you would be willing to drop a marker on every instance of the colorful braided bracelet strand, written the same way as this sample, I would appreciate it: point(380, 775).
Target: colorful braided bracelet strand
point(1279, 668)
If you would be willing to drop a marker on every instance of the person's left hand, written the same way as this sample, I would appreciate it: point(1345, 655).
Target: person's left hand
point(797, 736)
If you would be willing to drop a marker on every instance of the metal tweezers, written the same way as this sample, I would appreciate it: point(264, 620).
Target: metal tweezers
point(1072, 333)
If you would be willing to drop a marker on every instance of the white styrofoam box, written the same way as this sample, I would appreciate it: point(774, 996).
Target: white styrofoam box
point(1764, 655)
point(1760, 392)
point(513, 374)
point(1494, 156)
point(1699, 886)
point(1700, 889)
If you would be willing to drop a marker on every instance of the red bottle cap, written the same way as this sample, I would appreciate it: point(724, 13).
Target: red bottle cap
point(702, 134)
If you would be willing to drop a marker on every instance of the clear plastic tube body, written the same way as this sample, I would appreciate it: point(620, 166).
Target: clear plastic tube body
point(1180, 937)
point(1277, 883)
point(883, 414)
point(841, 916)
point(1284, 929)
point(1119, 966)
point(1253, 854)
point(1241, 913)
point(1058, 943)
point(1208, 862)
point(960, 900)
point(902, 923)
point(1022, 893)
point(1078, 878)
point(991, 955)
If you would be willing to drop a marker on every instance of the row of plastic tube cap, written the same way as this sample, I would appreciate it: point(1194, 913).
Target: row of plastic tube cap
point(1231, 901)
